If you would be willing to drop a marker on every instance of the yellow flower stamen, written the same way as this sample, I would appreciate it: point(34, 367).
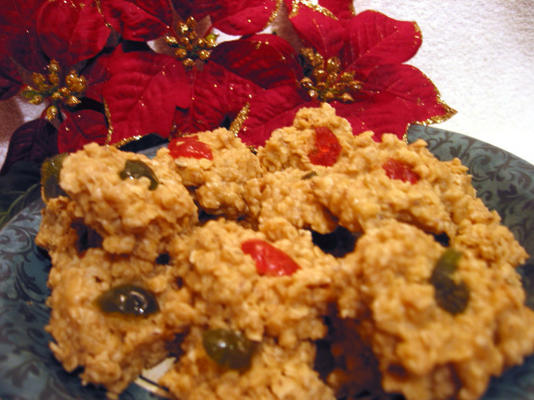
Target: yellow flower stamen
point(188, 45)
point(53, 87)
point(324, 80)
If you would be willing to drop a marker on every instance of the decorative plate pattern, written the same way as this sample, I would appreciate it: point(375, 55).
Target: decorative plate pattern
point(28, 370)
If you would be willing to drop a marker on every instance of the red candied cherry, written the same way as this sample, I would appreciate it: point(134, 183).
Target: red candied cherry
point(326, 147)
point(189, 146)
point(396, 169)
point(269, 260)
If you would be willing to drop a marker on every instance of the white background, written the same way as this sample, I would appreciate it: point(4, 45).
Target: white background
point(479, 54)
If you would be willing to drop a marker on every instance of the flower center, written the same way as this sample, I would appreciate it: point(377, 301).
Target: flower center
point(188, 45)
point(56, 89)
point(324, 80)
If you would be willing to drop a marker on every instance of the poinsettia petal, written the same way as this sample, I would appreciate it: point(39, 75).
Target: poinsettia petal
point(80, 128)
point(317, 26)
point(343, 9)
point(184, 8)
point(34, 141)
point(408, 86)
point(138, 20)
point(17, 32)
point(143, 90)
point(272, 109)
point(354, 113)
point(380, 118)
point(26, 50)
point(241, 17)
point(234, 17)
point(10, 80)
point(70, 32)
point(375, 39)
point(393, 97)
point(97, 74)
point(218, 96)
point(267, 60)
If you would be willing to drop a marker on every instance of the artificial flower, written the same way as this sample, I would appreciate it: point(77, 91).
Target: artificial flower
point(216, 94)
point(142, 92)
point(50, 51)
point(148, 20)
point(148, 92)
point(356, 63)
point(18, 44)
point(234, 17)
point(230, 79)
point(113, 71)
point(18, 34)
point(71, 31)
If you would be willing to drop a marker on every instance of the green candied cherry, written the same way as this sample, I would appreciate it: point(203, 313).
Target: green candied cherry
point(128, 299)
point(50, 170)
point(230, 349)
point(448, 262)
point(450, 295)
point(135, 169)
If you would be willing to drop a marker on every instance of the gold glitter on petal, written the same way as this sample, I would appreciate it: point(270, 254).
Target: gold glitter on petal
point(418, 30)
point(405, 136)
point(239, 120)
point(436, 119)
point(352, 10)
point(127, 140)
point(274, 14)
point(295, 6)
point(98, 4)
point(100, 9)
point(110, 125)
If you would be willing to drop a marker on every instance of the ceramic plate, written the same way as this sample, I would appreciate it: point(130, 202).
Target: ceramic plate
point(28, 370)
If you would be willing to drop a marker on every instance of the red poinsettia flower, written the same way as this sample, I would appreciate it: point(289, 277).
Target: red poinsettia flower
point(37, 31)
point(154, 93)
point(50, 51)
point(92, 65)
point(142, 92)
point(356, 63)
point(163, 99)
point(141, 20)
point(149, 92)
point(234, 74)
point(234, 17)
point(18, 44)
point(71, 31)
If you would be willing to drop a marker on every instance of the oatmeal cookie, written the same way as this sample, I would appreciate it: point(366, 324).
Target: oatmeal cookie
point(275, 373)
point(232, 291)
point(135, 204)
point(435, 334)
point(216, 179)
point(112, 347)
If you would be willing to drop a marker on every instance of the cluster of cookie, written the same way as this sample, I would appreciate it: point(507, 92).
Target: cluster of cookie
point(322, 265)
